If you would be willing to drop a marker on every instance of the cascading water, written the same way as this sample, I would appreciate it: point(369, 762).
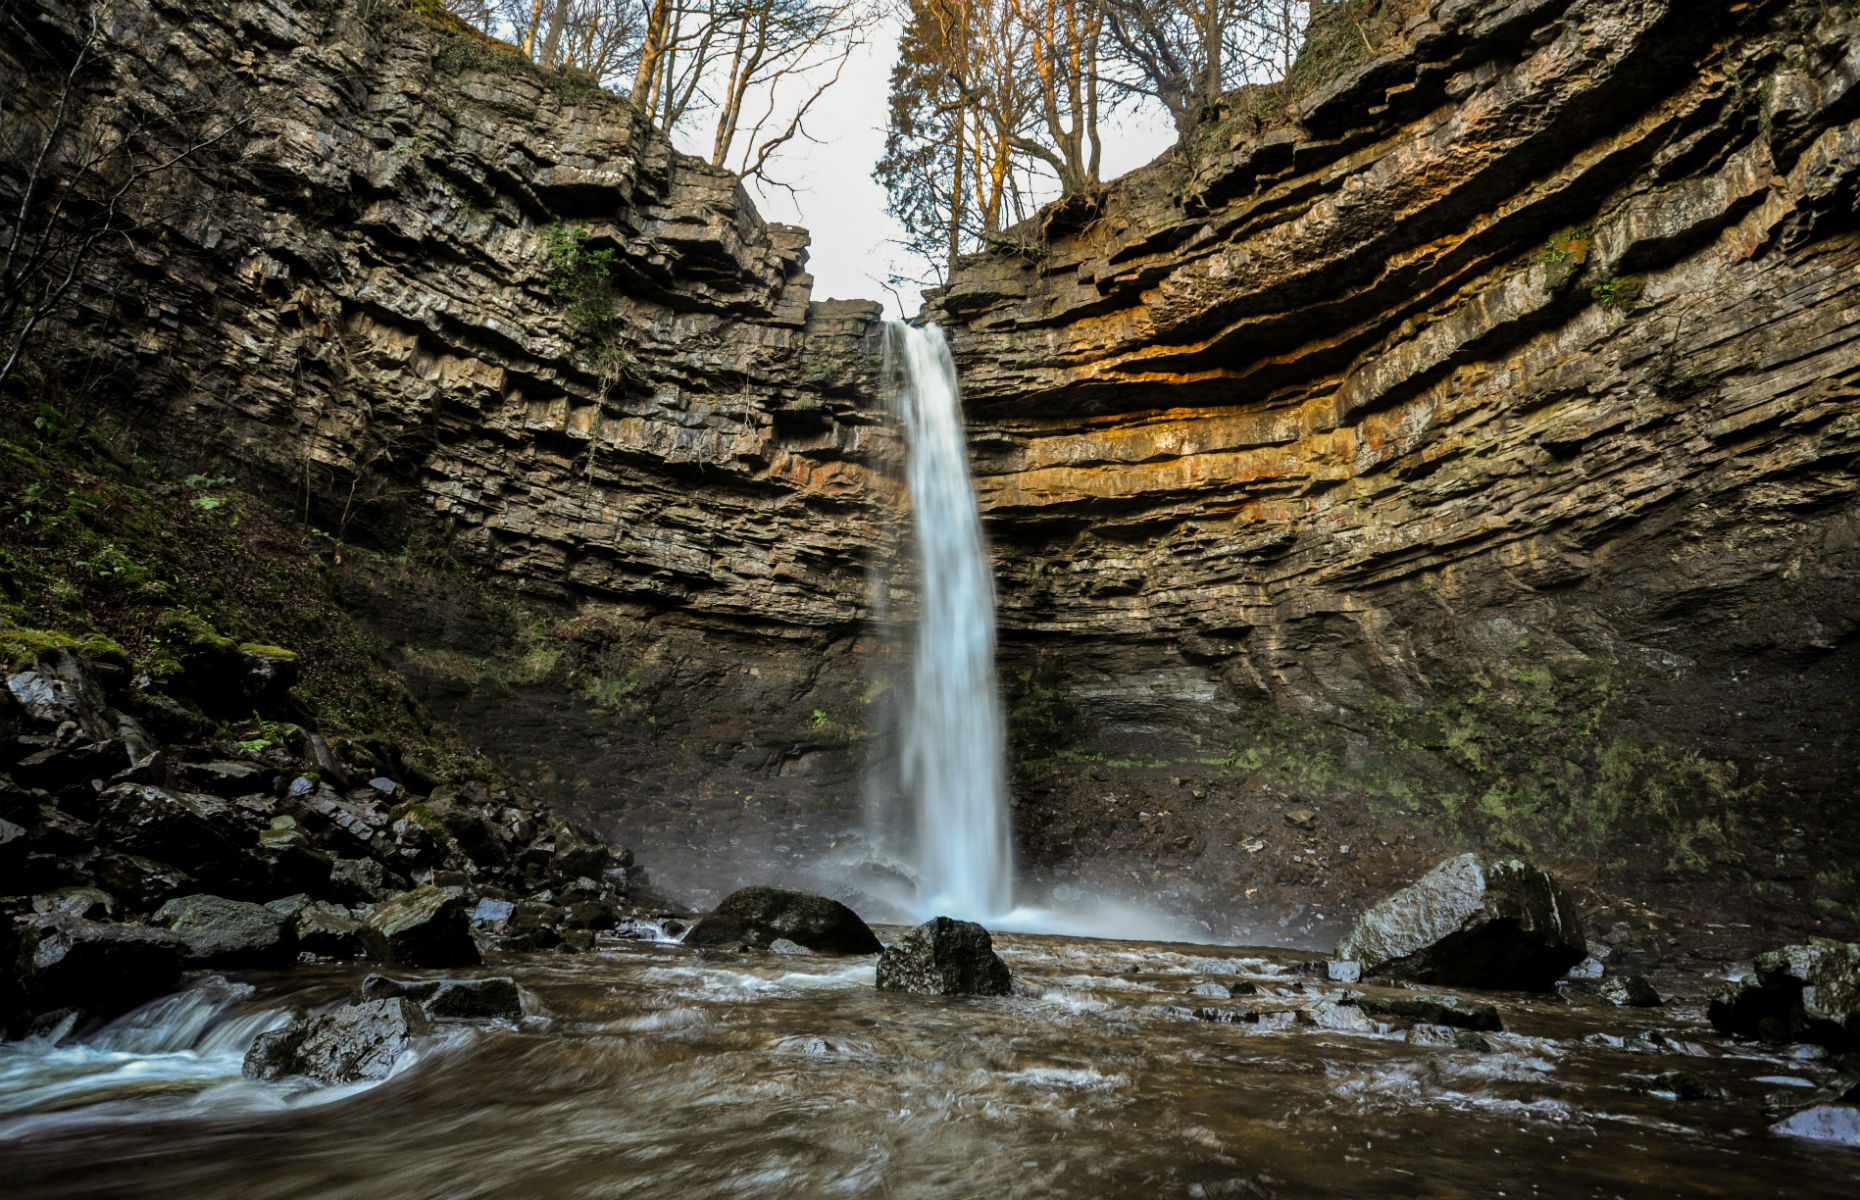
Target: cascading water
point(952, 749)
point(951, 769)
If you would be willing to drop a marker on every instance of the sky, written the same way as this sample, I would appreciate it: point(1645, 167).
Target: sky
point(838, 201)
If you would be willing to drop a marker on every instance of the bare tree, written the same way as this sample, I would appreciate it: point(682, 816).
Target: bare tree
point(1064, 36)
point(1185, 54)
point(778, 59)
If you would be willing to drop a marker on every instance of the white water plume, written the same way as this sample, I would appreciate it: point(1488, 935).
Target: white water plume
point(952, 757)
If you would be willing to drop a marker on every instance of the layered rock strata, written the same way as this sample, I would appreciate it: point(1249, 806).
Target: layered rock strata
point(1527, 345)
point(344, 291)
point(1501, 396)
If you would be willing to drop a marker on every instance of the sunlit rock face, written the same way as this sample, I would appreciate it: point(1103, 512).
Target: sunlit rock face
point(1531, 341)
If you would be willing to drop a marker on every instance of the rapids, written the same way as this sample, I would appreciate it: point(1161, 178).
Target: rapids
point(655, 1070)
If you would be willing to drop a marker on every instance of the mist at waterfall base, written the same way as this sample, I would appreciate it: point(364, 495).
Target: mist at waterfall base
point(954, 843)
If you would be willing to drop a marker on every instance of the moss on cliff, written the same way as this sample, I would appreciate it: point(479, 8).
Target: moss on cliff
point(103, 555)
point(1524, 756)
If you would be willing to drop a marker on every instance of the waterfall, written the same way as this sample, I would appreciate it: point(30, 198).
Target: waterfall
point(951, 768)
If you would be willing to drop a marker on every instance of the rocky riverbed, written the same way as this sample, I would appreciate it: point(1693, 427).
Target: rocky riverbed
point(1114, 1068)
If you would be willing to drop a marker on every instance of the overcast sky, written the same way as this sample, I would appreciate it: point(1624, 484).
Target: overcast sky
point(836, 198)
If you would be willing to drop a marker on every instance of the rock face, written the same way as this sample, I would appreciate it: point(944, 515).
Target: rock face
point(1489, 421)
point(761, 915)
point(944, 957)
point(370, 257)
point(1526, 348)
point(345, 1045)
point(1471, 922)
point(1807, 992)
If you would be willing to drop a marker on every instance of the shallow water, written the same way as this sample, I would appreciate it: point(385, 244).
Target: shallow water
point(653, 1070)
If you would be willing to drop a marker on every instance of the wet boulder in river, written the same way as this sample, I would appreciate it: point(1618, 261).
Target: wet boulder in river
point(1432, 1010)
point(944, 957)
point(496, 996)
point(1471, 922)
point(1836, 1123)
point(427, 927)
point(102, 968)
point(1805, 992)
point(327, 930)
point(345, 1045)
point(759, 915)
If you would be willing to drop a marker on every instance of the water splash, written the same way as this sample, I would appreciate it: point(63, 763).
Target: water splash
point(952, 757)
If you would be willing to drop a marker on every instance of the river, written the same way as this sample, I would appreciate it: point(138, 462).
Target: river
point(650, 1069)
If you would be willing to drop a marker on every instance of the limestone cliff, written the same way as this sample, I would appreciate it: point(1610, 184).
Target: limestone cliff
point(348, 295)
point(1467, 451)
point(1501, 398)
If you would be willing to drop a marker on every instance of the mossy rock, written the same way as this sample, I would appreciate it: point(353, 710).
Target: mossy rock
point(420, 815)
point(254, 649)
point(21, 647)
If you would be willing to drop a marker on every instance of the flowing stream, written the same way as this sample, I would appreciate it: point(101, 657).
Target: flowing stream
point(952, 766)
point(655, 1070)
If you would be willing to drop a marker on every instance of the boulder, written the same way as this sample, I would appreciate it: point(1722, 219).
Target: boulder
point(142, 883)
point(1340, 1018)
point(1448, 1036)
point(226, 777)
point(427, 927)
point(266, 675)
point(591, 914)
point(58, 687)
point(93, 904)
point(1471, 922)
point(205, 832)
point(15, 844)
point(1836, 1123)
point(759, 915)
point(1806, 992)
point(532, 925)
point(106, 969)
point(228, 933)
point(1433, 1010)
point(944, 957)
point(457, 999)
point(327, 930)
point(12, 717)
point(345, 1045)
point(358, 880)
point(1628, 991)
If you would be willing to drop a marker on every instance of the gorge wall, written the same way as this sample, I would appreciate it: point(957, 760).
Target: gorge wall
point(1488, 423)
point(343, 298)
point(1466, 452)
